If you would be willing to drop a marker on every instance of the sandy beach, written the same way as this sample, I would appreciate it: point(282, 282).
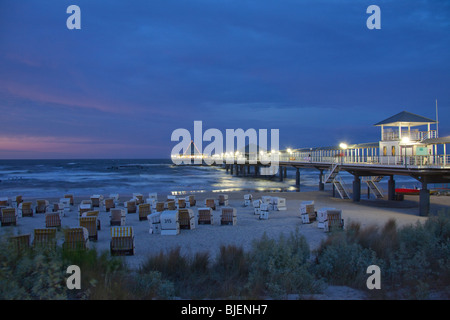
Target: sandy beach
point(248, 228)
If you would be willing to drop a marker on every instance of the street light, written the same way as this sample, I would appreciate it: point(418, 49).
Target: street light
point(343, 146)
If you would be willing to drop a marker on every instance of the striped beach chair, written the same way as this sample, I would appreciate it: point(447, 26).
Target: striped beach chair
point(76, 239)
point(27, 210)
point(94, 213)
point(52, 220)
point(122, 241)
point(20, 242)
point(9, 217)
point(44, 238)
point(90, 223)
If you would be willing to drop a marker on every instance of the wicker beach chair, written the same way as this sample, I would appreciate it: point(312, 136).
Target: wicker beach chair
point(41, 206)
point(94, 213)
point(27, 209)
point(118, 217)
point(122, 241)
point(181, 203)
point(52, 220)
point(69, 196)
point(84, 206)
point(228, 216)
point(44, 238)
point(131, 206)
point(9, 217)
point(205, 216)
point(171, 205)
point(144, 211)
point(59, 208)
point(96, 200)
point(139, 198)
point(4, 202)
point(109, 203)
point(90, 223)
point(18, 200)
point(192, 201)
point(76, 239)
point(20, 242)
point(333, 221)
point(307, 211)
point(159, 206)
point(210, 203)
point(186, 219)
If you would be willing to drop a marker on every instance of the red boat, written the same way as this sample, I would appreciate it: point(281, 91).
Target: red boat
point(407, 191)
point(411, 191)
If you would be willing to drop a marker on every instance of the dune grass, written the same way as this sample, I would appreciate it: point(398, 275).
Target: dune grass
point(414, 262)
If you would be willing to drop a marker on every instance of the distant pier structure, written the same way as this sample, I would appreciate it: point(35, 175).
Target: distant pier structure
point(408, 146)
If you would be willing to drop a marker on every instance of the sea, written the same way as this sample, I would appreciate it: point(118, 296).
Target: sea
point(54, 178)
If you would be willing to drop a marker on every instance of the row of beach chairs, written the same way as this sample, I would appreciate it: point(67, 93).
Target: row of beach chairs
point(327, 218)
point(169, 222)
point(77, 238)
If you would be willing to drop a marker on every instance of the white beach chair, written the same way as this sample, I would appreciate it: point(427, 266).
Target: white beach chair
point(169, 223)
point(247, 200)
point(307, 211)
point(279, 204)
point(154, 220)
point(322, 216)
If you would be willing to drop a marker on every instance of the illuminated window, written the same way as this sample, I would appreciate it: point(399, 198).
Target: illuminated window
point(393, 150)
point(384, 151)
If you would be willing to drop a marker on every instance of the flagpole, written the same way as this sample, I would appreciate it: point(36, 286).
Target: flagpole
point(437, 121)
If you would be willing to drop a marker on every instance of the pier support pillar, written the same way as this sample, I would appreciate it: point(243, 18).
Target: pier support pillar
point(391, 188)
point(285, 172)
point(231, 169)
point(297, 177)
point(256, 170)
point(356, 189)
point(280, 169)
point(424, 200)
point(321, 184)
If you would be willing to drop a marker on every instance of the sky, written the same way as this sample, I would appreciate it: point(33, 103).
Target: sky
point(138, 70)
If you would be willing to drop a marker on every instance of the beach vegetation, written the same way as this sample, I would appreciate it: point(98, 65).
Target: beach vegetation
point(414, 262)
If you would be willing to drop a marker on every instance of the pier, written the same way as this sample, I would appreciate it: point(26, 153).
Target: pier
point(402, 150)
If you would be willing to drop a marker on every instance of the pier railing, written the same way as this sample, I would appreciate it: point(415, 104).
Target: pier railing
point(428, 161)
